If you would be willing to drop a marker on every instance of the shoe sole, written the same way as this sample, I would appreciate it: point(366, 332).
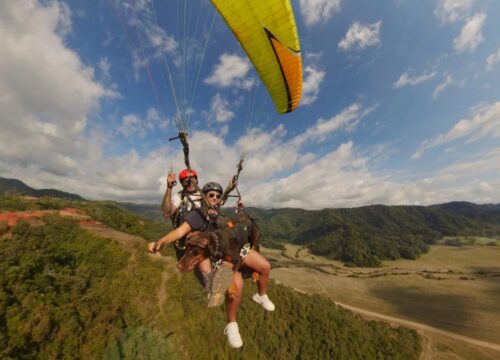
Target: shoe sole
point(221, 281)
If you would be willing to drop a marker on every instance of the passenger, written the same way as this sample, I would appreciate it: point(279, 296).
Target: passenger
point(197, 221)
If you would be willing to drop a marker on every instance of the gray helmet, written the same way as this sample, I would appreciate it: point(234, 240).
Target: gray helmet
point(212, 186)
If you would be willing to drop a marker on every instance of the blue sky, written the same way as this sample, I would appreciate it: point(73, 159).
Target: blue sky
point(401, 101)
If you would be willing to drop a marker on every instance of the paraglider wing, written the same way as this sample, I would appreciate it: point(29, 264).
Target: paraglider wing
point(267, 32)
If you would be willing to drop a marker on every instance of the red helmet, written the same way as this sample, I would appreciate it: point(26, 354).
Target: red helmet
point(184, 174)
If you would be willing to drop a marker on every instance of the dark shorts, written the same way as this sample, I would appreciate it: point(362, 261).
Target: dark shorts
point(179, 252)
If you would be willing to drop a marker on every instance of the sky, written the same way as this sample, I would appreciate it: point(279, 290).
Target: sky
point(400, 104)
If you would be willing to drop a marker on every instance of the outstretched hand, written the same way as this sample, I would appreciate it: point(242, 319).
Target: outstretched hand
point(153, 247)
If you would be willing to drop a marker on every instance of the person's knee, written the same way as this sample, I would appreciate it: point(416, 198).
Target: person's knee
point(205, 266)
point(238, 283)
point(265, 267)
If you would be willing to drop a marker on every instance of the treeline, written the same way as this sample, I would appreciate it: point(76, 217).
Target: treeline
point(367, 235)
point(66, 294)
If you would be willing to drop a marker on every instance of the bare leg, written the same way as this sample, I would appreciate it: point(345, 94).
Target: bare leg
point(203, 273)
point(257, 262)
point(232, 304)
point(205, 266)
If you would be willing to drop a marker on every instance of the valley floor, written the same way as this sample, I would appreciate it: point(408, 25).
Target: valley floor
point(450, 295)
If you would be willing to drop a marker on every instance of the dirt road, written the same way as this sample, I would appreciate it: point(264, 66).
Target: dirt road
point(418, 326)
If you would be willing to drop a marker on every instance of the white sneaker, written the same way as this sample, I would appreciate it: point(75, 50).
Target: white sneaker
point(264, 301)
point(233, 335)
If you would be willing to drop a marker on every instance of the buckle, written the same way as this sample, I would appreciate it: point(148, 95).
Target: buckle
point(178, 245)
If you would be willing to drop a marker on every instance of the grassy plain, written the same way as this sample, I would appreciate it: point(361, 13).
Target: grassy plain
point(473, 240)
point(453, 289)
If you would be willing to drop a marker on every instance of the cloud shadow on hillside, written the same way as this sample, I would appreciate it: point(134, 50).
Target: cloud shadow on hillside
point(490, 274)
point(444, 311)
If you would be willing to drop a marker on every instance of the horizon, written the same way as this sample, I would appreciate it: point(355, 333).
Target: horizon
point(400, 103)
point(267, 208)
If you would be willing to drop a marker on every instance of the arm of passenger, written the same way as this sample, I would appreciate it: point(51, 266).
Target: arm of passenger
point(172, 236)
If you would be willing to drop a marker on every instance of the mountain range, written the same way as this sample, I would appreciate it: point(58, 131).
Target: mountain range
point(362, 236)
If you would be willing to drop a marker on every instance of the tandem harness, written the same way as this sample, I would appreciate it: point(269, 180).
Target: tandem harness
point(187, 204)
point(224, 236)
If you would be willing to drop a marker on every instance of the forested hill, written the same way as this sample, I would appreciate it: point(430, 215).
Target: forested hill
point(366, 235)
point(363, 236)
point(69, 292)
point(17, 187)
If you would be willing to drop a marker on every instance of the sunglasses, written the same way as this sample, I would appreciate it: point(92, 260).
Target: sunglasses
point(212, 195)
point(188, 181)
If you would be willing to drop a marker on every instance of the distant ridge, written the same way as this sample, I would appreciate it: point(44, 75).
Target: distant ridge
point(11, 187)
point(362, 236)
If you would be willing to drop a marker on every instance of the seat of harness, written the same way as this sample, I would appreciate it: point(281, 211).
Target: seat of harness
point(229, 241)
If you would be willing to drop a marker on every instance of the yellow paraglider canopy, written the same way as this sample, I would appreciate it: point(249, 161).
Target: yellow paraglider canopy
point(267, 32)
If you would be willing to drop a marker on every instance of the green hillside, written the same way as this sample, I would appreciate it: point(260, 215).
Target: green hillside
point(66, 293)
point(17, 187)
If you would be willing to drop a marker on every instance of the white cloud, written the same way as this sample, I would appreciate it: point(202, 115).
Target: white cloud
point(268, 156)
point(105, 67)
point(134, 125)
point(410, 78)
point(441, 87)
point(140, 17)
point(64, 25)
point(361, 36)
point(231, 71)
point(220, 110)
point(485, 122)
point(148, 40)
point(311, 56)
point(268, 153)
point(470, 35)
point(346, 120)
point(492, 59)
point(47, 92)
point(131, 124)
point(450, 11)
point(317, 11)
point(48, 96)
point(160, 40)
point(343, 178)
point(310, 87)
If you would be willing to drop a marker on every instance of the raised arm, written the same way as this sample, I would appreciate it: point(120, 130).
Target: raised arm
point(167, 207)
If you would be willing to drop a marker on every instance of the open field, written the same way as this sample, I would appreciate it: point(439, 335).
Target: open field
point(473, 240)
point(451, 295)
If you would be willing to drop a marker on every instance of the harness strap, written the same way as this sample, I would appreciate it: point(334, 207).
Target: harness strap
point(216, 237)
